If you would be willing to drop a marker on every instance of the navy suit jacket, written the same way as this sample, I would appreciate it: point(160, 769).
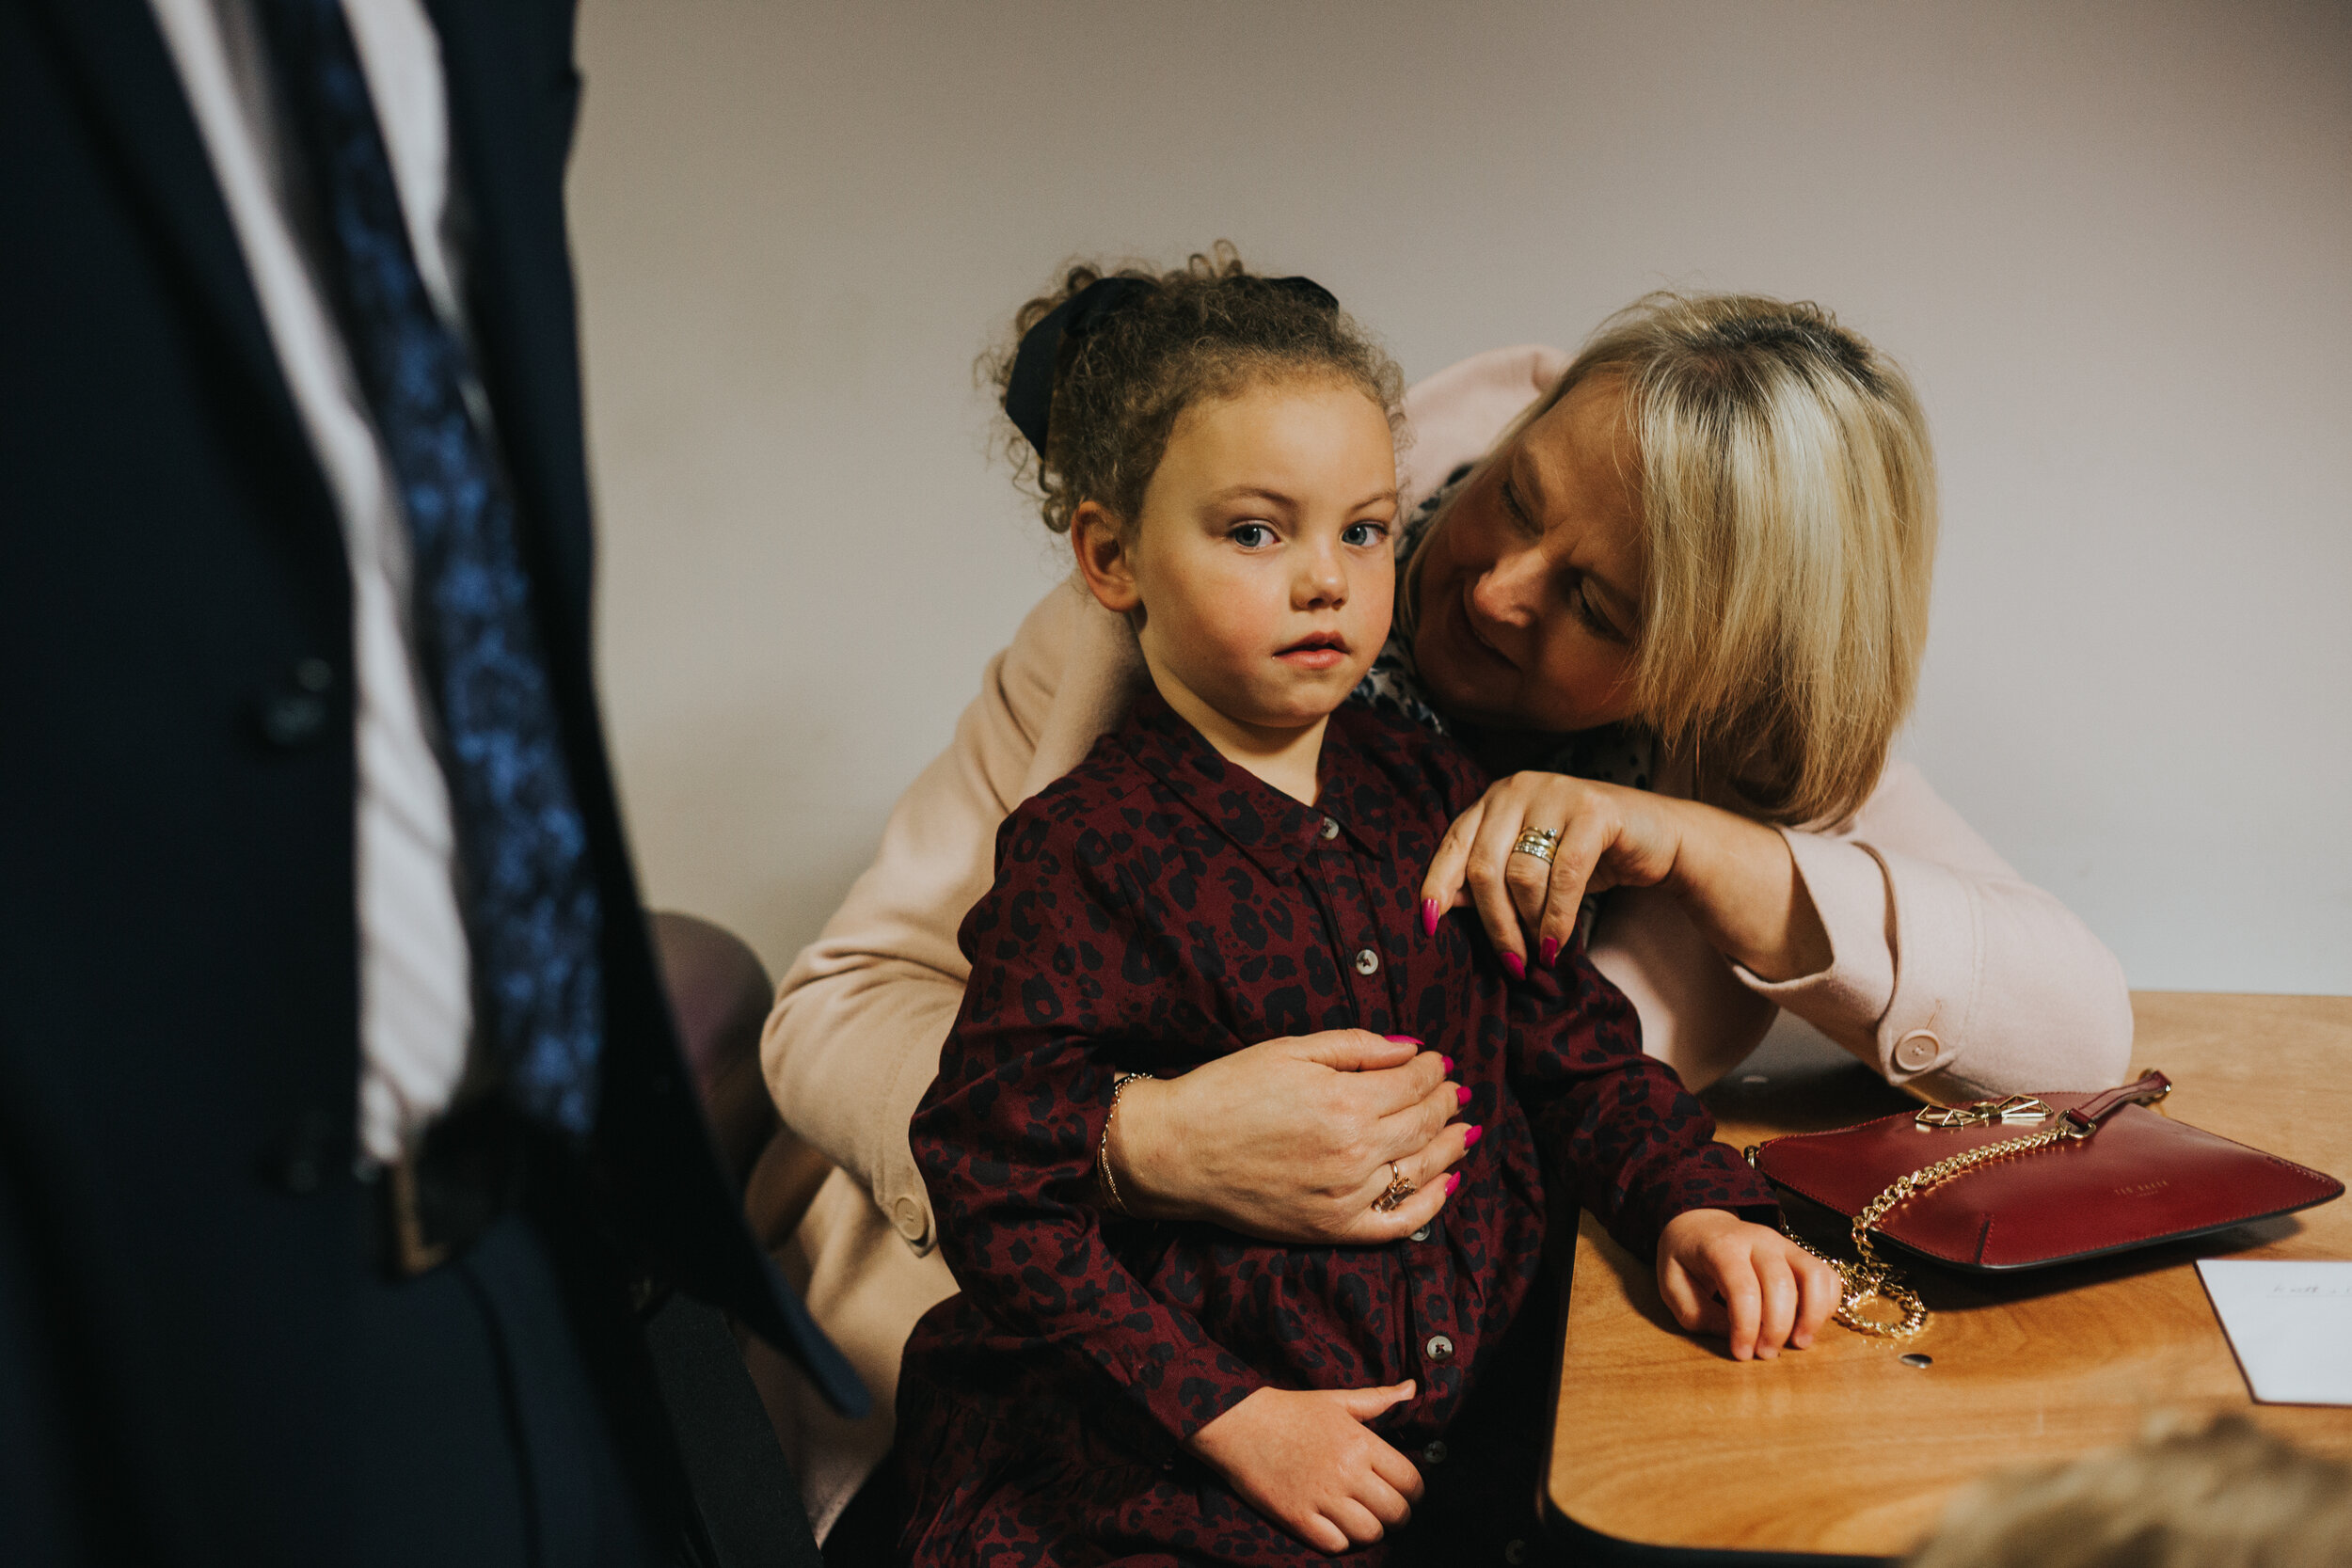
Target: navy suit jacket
point(179, 1224)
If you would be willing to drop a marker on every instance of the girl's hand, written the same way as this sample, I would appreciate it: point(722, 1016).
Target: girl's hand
point(1305, 1459)
point(1734, 878)
point(1290, 1140)
point(1720, 1274)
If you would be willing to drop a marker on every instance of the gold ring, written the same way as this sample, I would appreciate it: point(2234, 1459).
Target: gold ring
point(1539, 842)
point(1399, 1190)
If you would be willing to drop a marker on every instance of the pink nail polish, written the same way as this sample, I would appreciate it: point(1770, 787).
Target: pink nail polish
point(1448, 1065)
point(1461, 1096)
point(1469, 1139)
point(1516, 965)
point(1552, 951)
point(1429, 917)
point(1403, 1040)
point(1453, 1180)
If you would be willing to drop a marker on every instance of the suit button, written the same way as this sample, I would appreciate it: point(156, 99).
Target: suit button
point(1331, 829)
point(1433, 1453)
point(293, 719)
point(908, 1215)
point(1367, 962)
point(297, 714)
point(1421, 1235)
point(1515, 1552)
point(303, 1158)
point(1440, 1348)
point(1917, 1050)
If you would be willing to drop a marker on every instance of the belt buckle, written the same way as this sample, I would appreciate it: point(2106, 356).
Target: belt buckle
point(412, 1253)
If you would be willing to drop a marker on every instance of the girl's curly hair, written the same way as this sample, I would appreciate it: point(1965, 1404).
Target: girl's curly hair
point(1209, 330)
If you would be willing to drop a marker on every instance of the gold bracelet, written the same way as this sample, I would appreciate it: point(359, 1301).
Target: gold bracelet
point(1102, 1177)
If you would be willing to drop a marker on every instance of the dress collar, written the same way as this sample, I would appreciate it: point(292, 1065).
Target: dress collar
point(1273, 830)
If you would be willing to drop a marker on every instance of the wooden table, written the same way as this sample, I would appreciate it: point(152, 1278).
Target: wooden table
point(1663, 1440)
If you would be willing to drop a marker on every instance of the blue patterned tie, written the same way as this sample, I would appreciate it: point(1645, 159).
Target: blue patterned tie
point(530, 900)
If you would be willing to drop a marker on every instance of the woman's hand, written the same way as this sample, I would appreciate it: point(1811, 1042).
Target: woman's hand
point(1720, 1274)
point(1290, 1140)
point(1304, 1458)
point(1736, 877)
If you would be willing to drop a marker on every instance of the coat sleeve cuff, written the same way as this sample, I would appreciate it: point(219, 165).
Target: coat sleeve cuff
point(1849, 887)
point(905, 1201)
point(1904, 947)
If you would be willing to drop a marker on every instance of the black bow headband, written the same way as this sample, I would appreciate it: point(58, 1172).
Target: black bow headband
point(1029, 392)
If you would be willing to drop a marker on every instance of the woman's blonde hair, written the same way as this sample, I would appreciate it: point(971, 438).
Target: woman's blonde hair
point(1788, 492)
point(2229, 1497)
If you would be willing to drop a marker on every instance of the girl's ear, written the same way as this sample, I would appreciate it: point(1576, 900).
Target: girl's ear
point(1102, 558)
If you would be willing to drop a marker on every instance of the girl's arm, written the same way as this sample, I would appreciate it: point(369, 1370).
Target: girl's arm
point(1006, 1140)
point(1636, 1147)
point(1006, 1136)
point(1639, 1151)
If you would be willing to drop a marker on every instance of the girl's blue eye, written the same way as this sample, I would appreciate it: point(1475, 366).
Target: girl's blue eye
point(1250, 536)
point(1363, 534)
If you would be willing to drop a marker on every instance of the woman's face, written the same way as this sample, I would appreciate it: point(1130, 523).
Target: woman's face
point(1528, 592)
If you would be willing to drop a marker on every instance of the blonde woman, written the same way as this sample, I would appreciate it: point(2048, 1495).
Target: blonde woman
point(1673, 591)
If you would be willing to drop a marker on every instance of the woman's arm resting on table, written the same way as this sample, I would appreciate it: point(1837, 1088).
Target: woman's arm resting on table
point(1900, 934)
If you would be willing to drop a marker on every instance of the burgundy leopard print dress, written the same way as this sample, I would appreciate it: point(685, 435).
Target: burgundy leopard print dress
point(1159, 907)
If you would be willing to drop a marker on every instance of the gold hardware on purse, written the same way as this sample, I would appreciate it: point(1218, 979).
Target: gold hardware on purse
point(1869, 1278)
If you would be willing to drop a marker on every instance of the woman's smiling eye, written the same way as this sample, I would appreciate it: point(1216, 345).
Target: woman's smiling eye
point(1250, 536)
point(1363, 534)
point(1581, 606)
point(1517, 507)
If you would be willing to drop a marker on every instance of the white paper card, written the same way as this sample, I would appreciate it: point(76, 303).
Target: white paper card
point(2290, 1324)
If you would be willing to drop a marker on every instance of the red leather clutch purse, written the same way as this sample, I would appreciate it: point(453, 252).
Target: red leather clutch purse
point(2033, 1180)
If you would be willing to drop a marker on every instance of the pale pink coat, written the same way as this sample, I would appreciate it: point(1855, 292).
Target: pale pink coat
point(1951, 973)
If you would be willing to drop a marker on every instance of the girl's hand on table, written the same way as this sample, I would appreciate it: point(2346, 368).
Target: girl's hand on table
point(1305, 1459)
point(1736, 877)
point(1290, 1140)
point(1720, 1274)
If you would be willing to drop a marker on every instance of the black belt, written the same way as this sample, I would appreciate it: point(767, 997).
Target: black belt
point(439, 1199)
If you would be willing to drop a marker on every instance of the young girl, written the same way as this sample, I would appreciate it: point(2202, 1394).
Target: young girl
point(1237, 861)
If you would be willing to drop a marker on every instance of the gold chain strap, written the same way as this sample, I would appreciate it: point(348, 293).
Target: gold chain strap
point(1870, 1277)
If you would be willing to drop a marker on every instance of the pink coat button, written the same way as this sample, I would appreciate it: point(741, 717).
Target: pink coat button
point(1916, 1050)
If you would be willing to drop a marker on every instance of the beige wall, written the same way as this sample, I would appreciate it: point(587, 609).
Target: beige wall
point(2113, 240)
